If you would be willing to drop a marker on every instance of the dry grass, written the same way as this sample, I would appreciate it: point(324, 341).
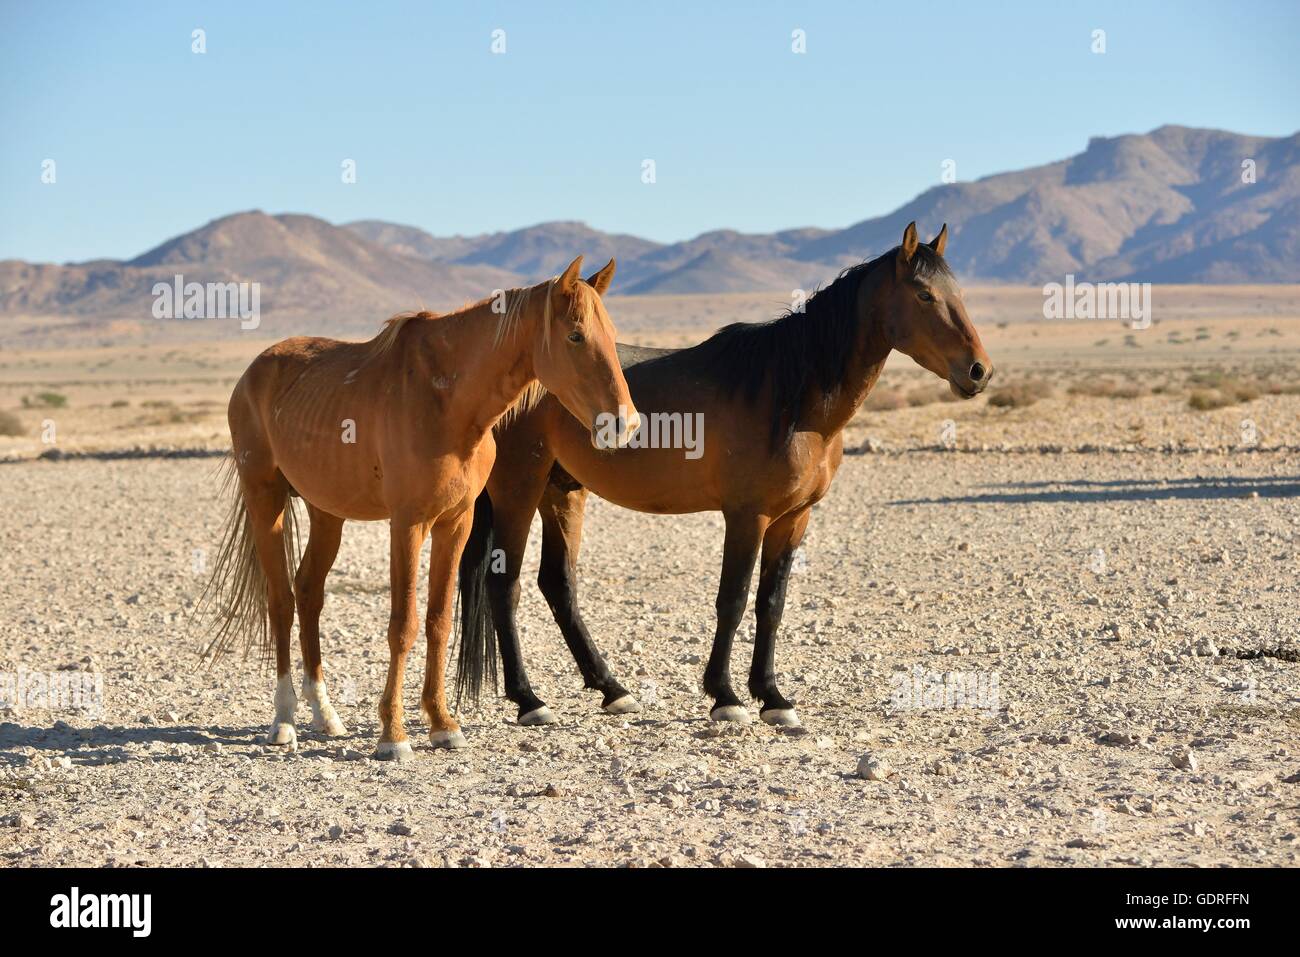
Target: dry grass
point(1204, 400)
point(1106, 389)
point(885, 400)
point(10, 424)
point(45, 400)
point(166, 412)
point(1018, 395)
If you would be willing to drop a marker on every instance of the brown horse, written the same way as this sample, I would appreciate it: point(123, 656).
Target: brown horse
point(773, 400)
point(397, 428)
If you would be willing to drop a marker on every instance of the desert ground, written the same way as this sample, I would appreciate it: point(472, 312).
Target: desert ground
point(1054, 625)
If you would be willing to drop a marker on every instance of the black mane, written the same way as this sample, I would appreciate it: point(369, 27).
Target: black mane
point(801, 351)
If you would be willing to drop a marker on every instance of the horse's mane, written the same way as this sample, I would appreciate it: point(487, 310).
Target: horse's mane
point(586, 306)
point(800, 351)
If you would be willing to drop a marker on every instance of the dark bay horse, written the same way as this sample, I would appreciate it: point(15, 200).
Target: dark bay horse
point(775, 398)
point(397, 428)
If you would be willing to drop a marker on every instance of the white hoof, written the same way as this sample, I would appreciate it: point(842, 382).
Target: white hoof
point(782, 718)
point(537, 716)
point(329, 725)
point(731, 712)
point(282, 730)
point(324, 718)
point(282, 733)
point(448, 739)
point(624, 705)
point(398, 751)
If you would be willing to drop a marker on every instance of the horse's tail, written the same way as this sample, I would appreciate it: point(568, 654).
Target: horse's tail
point(235, 597)
point(477, 655)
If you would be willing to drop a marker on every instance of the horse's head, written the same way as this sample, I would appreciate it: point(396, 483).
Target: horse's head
point(927, 320)
point(575, 357)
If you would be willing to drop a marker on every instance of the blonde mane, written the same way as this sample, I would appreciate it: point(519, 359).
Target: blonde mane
point(586, 307)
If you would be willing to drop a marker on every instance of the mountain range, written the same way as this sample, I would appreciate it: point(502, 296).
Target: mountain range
point(1176, 205)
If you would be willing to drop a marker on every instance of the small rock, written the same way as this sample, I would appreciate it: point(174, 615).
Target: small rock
point(872, 768)
point(1185, 760)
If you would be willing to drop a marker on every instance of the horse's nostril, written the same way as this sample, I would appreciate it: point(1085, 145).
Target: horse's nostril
point(977, 373)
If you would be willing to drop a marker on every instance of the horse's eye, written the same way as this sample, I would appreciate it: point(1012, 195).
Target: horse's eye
point(576, 337)
point(926, 297)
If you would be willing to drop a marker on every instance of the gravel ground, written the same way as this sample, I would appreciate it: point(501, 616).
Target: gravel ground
point(1116, 633)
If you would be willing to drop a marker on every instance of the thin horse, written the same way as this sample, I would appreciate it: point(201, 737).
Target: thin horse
point(775, 398)
point(397, 428)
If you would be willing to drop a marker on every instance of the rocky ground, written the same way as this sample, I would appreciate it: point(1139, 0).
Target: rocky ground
point(1001, 658)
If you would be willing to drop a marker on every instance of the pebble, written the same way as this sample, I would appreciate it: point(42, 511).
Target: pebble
point(873, 768)
point(1185, 760)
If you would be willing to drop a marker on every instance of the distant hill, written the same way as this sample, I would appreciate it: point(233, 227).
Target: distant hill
point(305, 267)
point(1168, 206)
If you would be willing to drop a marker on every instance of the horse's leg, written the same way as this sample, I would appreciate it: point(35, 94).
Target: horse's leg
point(266, 500)
point(517, 490)
point(405, 539)
point(444, 557)
point(739, 553)
point(779, 545)
point(309, 590)
point(562, 514)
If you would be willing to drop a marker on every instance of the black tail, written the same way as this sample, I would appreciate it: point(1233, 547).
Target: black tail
point(477, 656)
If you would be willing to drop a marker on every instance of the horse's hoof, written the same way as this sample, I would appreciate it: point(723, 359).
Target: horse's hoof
point(398, 751)
point(451, 740)
point(730, 712)
point(538, 716)
point(781, 718)
point(624, 705)
point(282, 733)
point(331, 726)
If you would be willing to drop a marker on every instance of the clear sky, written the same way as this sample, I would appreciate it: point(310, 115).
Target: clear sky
point(151, 139)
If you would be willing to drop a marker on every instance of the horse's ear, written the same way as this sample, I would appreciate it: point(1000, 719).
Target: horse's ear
point(569, 278)
point(940, 241)
point(908, 248)
point(600, 281)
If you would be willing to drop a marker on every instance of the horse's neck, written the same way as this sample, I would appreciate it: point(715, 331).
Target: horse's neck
point(829, 414)
point(490, 371)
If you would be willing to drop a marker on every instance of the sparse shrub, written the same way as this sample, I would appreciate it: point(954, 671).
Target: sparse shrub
point(1105, 389)
point(1219, 390)
point(925, 395)
point(1244, 393)
point(1203, 400)
point(119, 403)
point(10, 424)
point(1018, 395)
point(884, 400)
point(1212, 379)
point(45, 400)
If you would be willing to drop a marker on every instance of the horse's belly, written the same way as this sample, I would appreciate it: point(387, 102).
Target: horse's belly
point(662, 480)
point(340, 489)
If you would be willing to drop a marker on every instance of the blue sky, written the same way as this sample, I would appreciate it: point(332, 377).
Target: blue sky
point(151, 140)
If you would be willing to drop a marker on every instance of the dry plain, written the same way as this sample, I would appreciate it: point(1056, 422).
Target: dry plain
point(1106, 545)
